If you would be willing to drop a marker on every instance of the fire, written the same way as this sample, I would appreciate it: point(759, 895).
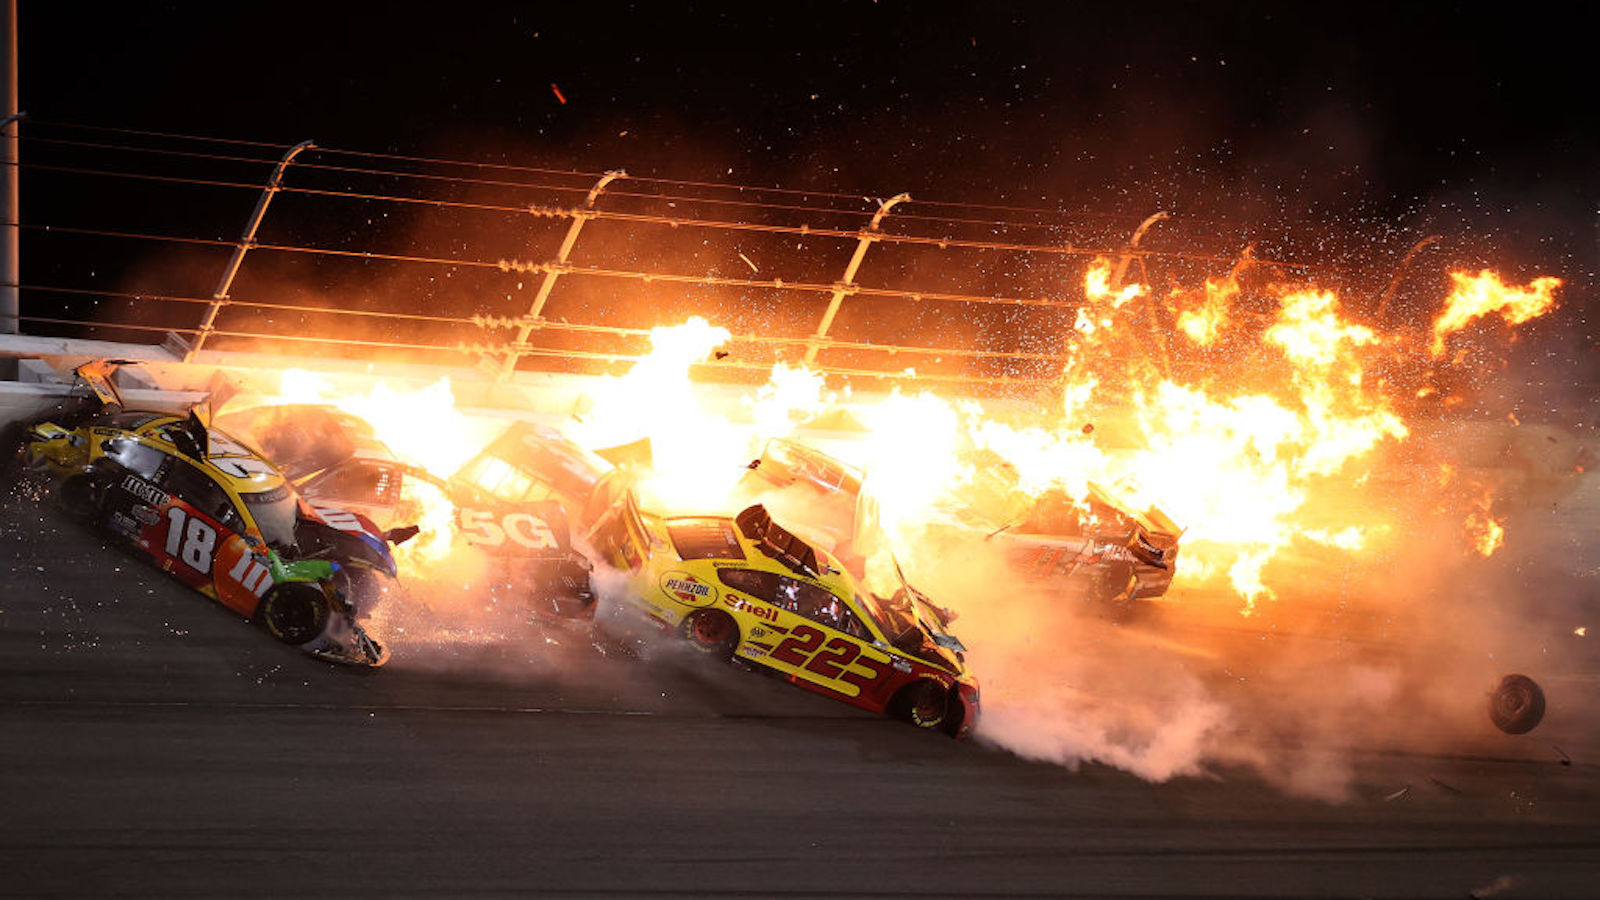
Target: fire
point(1204, 322)
point(1482, 294)
point(1485, 532)
point(789, 398)
point(423, 427)
point(1097, 286)
point(1249, 460)
point(696, 450)
point(1251, 432)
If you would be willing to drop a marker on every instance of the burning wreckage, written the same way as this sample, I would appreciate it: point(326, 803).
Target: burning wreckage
point(518, 500)
point(1094, 550)
point(736, 589)
point(532, 494)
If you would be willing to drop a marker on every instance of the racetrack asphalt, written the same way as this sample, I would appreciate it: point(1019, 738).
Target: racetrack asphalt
point(154, 744)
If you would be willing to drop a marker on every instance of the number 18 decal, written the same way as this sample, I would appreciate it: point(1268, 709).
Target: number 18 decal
point(194, 544)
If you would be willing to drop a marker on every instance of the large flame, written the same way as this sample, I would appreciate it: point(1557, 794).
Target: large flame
point(1248, 430)
point(1479, 295)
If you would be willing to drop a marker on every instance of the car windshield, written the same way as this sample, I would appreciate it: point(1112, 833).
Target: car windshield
point(275, 512)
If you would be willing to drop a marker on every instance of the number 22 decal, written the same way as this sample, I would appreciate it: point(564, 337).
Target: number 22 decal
point(826, 659)
point(194, 544)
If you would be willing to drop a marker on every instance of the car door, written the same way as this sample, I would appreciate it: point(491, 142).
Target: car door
point(200, 540)
point(816, 636)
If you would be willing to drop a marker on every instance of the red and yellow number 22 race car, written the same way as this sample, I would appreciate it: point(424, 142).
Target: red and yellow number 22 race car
point(746, 589)
point(215, 515)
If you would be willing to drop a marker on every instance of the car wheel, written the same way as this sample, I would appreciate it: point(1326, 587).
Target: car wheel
point(922, 704)
point(1517, 704)
point(294, 613)
point(712, 632)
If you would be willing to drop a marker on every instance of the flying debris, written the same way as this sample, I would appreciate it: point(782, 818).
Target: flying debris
point(1517, 704)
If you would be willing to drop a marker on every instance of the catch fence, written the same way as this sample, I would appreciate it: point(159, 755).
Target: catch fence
point(136, 235)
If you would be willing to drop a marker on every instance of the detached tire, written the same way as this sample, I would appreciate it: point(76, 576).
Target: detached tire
point(1517, 704)
point(923, 704)
point(293, 613)
point(712, 632)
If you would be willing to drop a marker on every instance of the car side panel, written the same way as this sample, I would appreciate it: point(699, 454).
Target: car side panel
point(820, 658)
point(177, 537)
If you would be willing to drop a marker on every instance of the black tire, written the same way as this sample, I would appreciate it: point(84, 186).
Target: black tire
point(924, 704)
point(712, 632)
point(955, 715)
point(1517, 704)
point(294, 613)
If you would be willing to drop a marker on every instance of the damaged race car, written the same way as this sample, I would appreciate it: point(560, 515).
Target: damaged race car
point(1095, 548)
point(211, 512)
point(746, 589)
point(516, 500)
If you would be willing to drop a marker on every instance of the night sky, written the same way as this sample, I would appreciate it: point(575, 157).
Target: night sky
point(1388, 123)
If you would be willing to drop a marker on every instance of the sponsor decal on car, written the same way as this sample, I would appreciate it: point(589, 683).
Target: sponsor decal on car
point(341, 519)
point(1115, 551)
point(145, 491)
point(687, 589)
point(759, 610)
point(145, 515)
point(124, 525)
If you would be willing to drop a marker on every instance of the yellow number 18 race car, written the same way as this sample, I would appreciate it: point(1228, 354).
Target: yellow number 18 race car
point(744, 588)
point(217, 516)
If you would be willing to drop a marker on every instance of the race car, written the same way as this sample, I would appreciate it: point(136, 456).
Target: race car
point(514, 500)
point(221, 519)
point(330, 455)
point(747, 589)
point(1094, 548)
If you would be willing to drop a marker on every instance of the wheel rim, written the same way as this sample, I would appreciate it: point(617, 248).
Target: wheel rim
point(710, 632)
point(293, 618)
point(927, 707)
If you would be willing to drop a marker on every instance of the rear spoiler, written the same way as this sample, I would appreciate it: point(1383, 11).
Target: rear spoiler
point(97, 375)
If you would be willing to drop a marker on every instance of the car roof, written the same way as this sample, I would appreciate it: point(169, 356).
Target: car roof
point(155, 432)
point(823, 569)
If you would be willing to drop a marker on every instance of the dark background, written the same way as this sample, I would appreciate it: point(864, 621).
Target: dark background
point(1018, 103)
point(1339, 134)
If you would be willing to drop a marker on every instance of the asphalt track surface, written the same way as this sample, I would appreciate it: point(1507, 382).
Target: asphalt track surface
point(153, 744)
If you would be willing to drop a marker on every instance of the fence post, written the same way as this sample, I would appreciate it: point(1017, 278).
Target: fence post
point(248, 240)
point(1399, 273)
point(845, 286)
point(1133, 244)
point(10, 217)
point(516, 348)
